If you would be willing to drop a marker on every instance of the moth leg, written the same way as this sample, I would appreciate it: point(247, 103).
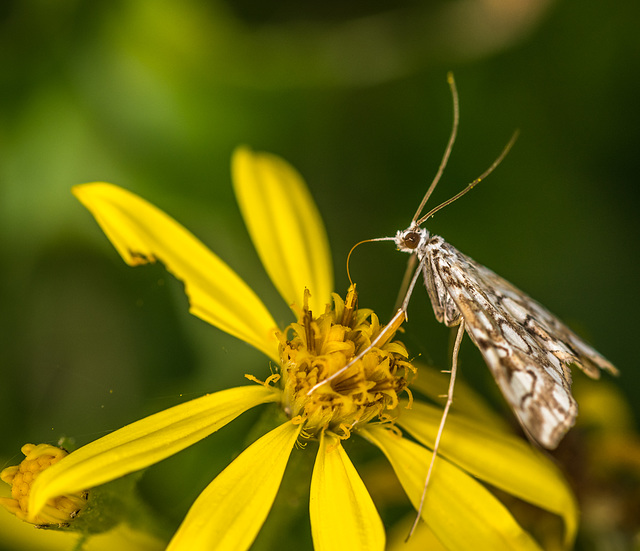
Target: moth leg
point(445, 412)
point(412, 284)
point(409, 273)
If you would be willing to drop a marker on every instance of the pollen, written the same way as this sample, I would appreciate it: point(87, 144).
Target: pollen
point(58, 511)
point(314, 349)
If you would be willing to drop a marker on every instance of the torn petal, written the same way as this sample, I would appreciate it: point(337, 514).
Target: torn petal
point(143, 233)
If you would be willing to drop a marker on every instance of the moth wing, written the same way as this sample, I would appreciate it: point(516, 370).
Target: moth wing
point(526, 347)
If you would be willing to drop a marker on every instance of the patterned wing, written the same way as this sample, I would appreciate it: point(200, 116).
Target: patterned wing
point(526, 347)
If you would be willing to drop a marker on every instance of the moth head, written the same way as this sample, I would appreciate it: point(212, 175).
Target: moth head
point(411, 239)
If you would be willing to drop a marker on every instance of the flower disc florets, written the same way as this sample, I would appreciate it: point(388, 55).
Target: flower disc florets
point(314, 349)
point(59, 510)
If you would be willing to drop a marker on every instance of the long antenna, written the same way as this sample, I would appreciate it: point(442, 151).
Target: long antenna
point(473, 184)
point(447, 151)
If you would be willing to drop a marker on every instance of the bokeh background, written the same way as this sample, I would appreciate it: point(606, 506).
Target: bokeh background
point(154, 95)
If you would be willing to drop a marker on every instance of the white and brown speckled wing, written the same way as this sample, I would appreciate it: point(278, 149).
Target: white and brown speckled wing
point(527, 348)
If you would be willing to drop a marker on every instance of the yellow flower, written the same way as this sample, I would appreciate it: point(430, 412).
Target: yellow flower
point(289, 236)
point(59, 509)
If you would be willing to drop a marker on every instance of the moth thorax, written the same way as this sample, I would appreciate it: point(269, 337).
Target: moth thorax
point(411, 239)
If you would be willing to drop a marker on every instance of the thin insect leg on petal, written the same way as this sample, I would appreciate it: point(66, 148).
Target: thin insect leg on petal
point(445, 412)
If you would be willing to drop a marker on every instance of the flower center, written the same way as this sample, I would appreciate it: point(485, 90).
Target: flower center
point(314, 349)
point(59, 510)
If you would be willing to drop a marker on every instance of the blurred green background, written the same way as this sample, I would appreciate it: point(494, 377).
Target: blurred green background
point(154, 96)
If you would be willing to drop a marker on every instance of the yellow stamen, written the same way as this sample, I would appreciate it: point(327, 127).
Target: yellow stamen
point(315, 348)
point(58, 511)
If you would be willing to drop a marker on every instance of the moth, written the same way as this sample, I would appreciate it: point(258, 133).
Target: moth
point(527, 349)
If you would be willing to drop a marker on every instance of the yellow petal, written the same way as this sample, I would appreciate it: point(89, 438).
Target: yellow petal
point(460, 511)
point(285, 226)
point(343, 516)
point(145, 442)
point(434, 384)
point(501, 459)
point(142, 233)
point(229, 513)
point(422, 539)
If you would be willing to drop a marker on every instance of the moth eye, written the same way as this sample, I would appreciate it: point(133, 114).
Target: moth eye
point(411, 239)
